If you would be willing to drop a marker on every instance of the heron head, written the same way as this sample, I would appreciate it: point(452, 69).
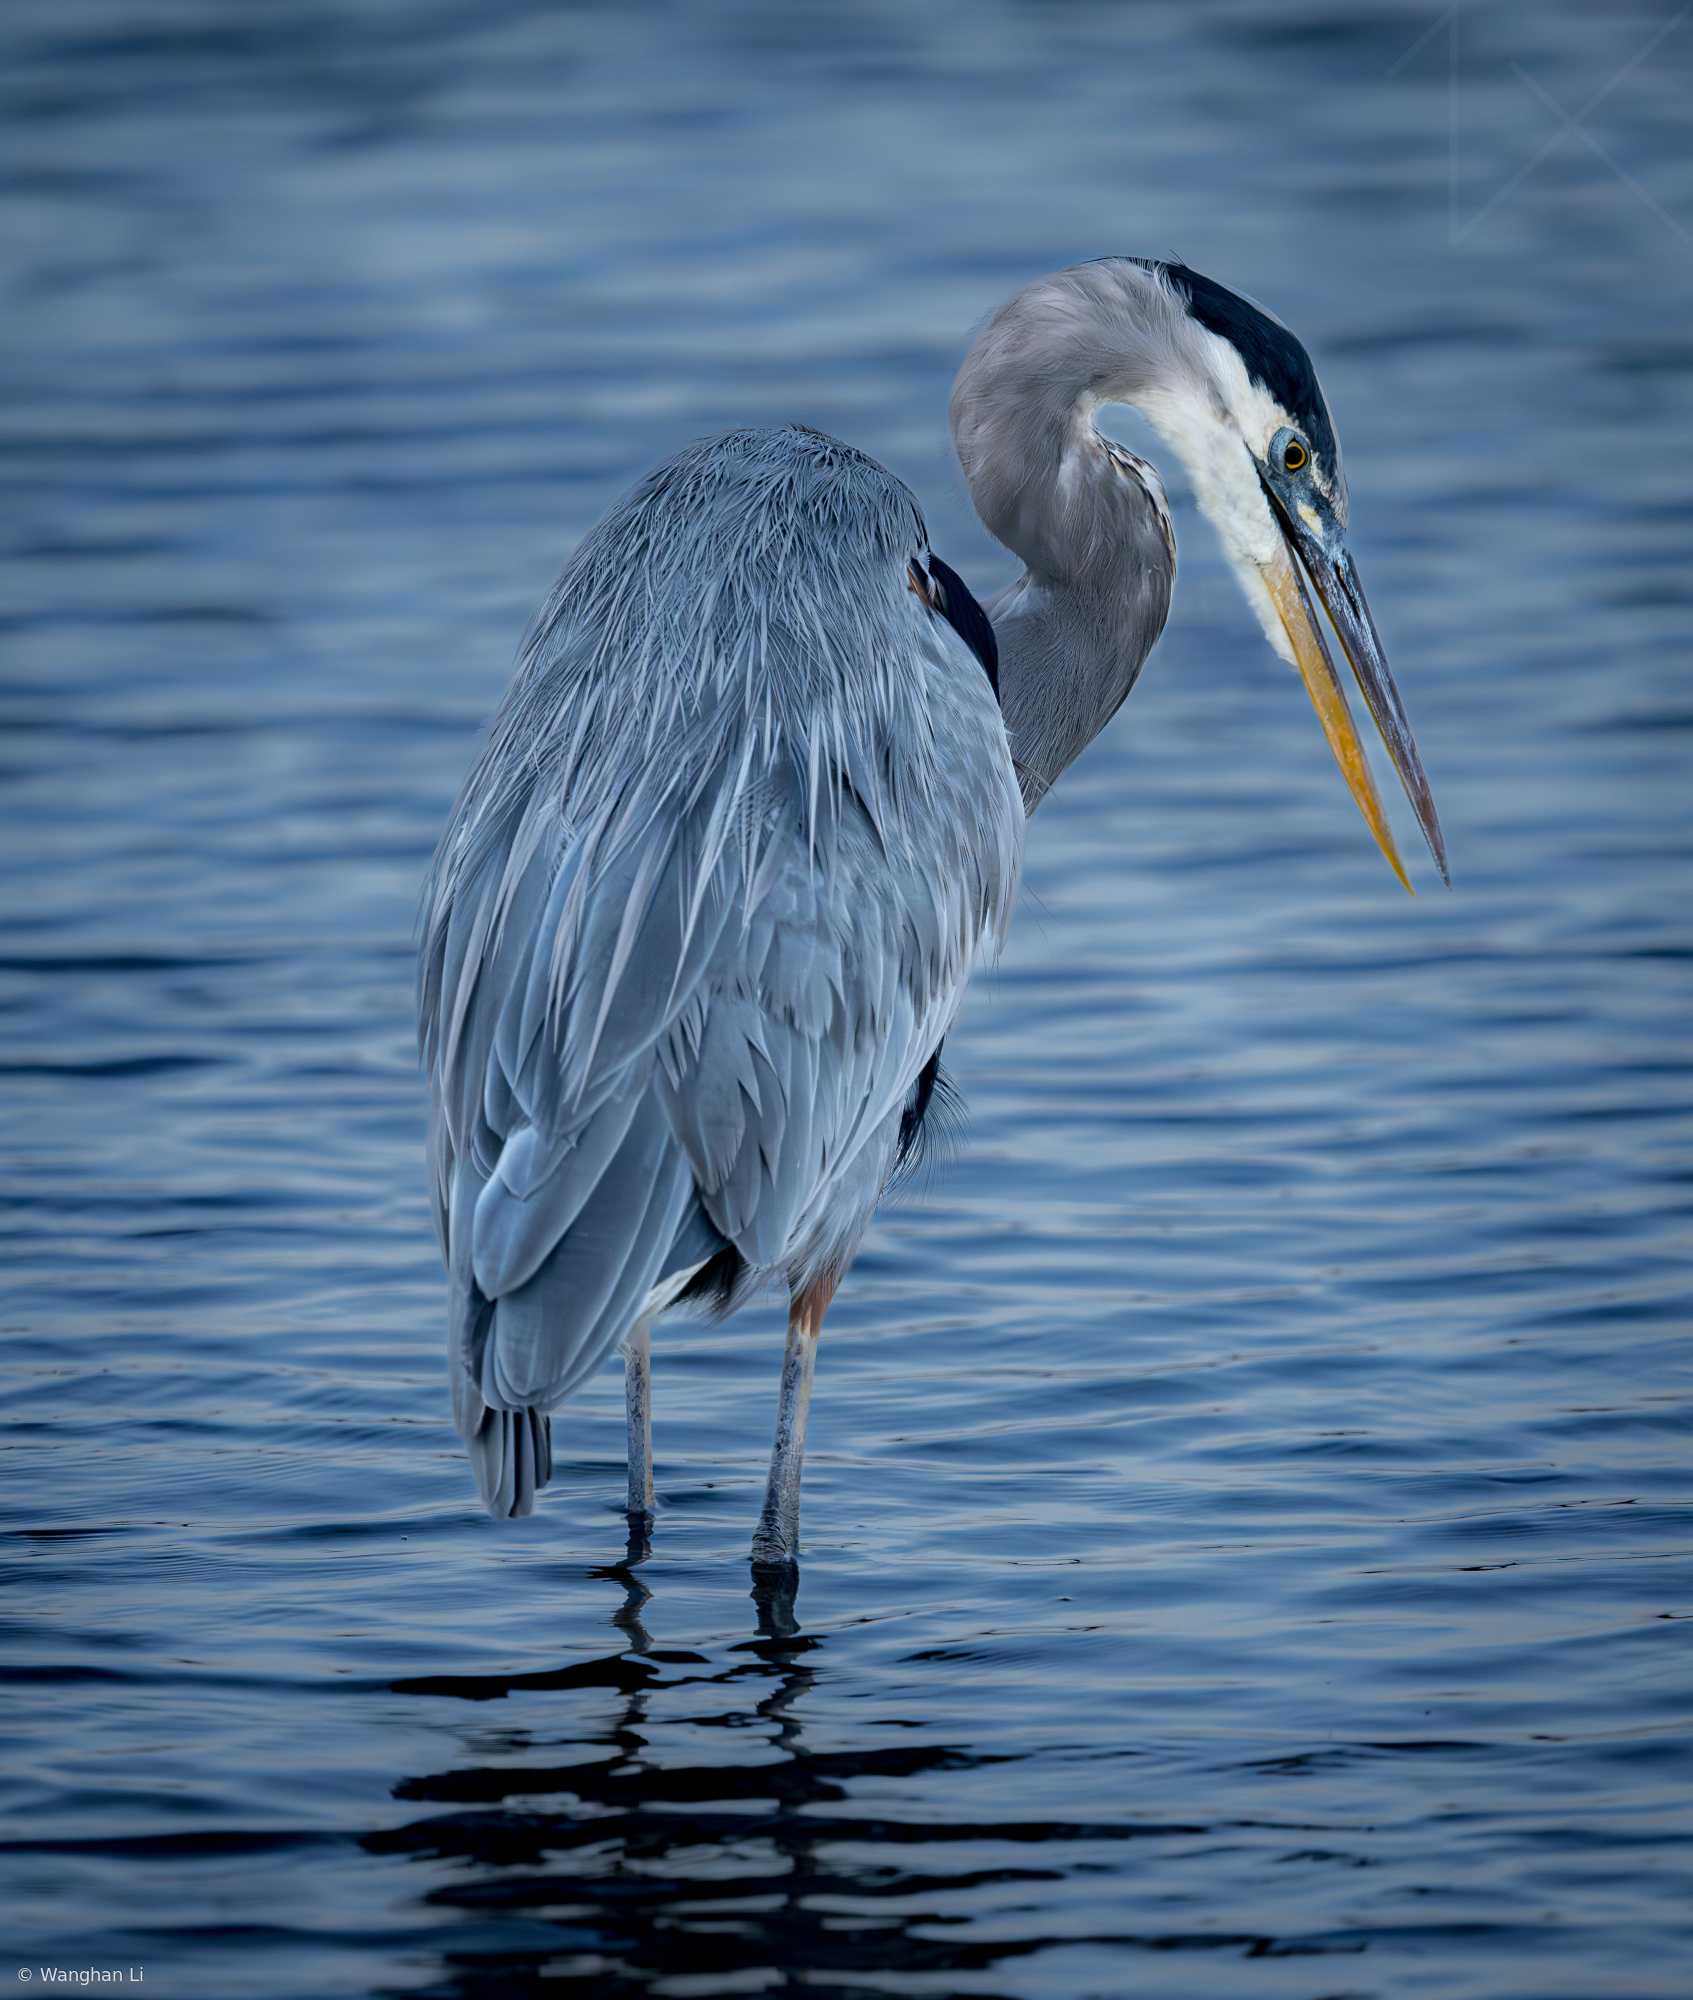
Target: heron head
point(1240, 404)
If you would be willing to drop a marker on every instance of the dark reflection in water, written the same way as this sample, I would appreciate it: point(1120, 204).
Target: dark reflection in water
point(619, 1868)
point(720, 1865)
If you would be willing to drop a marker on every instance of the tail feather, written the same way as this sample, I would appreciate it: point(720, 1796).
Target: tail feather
point(511, 1452)
point(518, 1356)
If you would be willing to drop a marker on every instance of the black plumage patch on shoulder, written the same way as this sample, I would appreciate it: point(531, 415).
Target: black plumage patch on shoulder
point(966, 617)
point(917, 1108)
point(1274, 358)
point(930, 1124)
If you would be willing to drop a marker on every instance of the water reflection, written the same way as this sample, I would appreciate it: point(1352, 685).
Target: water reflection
point(620, 1864)
point(745, 1852)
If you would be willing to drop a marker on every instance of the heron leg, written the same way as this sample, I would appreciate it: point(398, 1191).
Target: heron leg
point(776, 1541)
point(636, 1349)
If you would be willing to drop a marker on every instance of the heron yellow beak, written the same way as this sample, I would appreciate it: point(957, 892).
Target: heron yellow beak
point(1316, 668)
point(1313, 541)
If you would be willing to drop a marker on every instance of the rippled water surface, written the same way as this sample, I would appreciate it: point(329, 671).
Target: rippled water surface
point(1247, 1512)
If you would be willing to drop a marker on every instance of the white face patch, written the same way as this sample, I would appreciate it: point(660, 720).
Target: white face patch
point(1216, 424)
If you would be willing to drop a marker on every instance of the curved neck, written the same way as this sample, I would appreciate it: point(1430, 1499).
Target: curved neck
point(1087, 517)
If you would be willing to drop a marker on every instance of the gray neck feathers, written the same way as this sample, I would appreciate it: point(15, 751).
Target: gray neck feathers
point(1087, 518)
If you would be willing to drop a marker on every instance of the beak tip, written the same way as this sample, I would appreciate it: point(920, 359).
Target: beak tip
point(1436, 841)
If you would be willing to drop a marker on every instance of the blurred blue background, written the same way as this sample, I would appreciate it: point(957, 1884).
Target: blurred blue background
point(1247, 1506)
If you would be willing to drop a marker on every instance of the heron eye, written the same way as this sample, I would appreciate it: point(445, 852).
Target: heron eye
point(1294, 455)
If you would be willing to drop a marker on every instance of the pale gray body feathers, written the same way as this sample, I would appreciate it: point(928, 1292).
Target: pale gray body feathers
point(744, 824)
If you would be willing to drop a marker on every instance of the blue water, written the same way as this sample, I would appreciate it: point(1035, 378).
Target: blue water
point(1247, 1510)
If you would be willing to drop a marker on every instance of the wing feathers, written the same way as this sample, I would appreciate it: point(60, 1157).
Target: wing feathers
point(536, 1192)
point(551, 1333)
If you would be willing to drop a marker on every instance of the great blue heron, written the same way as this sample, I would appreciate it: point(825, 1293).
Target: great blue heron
point(752, 809)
